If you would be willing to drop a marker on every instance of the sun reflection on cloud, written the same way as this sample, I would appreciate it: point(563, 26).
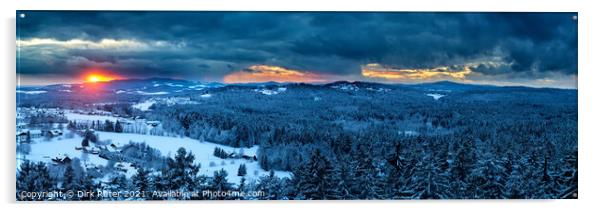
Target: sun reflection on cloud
point(265, 73)
point(375, 70)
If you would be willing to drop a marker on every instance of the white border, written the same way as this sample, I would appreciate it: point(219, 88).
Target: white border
point(589, 102)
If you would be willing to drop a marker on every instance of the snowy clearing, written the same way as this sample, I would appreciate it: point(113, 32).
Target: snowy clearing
point(83, 117)
point(435, 96)
point(168, 146)
point(152, 93)
point(348, 87)
point(144, 106)
point(270, 92)
point(31, 92)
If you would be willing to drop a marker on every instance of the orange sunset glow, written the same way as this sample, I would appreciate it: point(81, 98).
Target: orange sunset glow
point(98, 77)
point(264, 73)
point(427, 74)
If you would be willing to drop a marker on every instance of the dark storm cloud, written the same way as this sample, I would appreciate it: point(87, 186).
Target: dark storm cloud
point(418, 40)
point(213, 44)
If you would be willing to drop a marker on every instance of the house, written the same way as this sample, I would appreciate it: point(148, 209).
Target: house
point(58, 160)
point(22, 135)
point(54, 132)
point(247, 157)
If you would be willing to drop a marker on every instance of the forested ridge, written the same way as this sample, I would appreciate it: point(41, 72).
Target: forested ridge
point(372, 141)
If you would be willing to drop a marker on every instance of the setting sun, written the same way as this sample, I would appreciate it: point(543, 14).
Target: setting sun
point(98, 78)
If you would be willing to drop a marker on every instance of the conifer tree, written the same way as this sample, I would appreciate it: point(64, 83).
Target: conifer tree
point(242, 170)
point(33, 177)
point(118, 127)
point(69, 178)
point(271, 187)
point(181, 172)
point(316, 178)
point(141, 180)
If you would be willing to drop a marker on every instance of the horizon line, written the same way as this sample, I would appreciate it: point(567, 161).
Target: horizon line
point(311, 83)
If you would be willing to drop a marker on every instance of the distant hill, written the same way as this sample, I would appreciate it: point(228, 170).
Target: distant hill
point(133, 89)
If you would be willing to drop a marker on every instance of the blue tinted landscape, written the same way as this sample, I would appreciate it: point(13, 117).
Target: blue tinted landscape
point(295, 106)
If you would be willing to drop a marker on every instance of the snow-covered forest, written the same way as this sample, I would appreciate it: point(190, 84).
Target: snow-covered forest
point(173, 139)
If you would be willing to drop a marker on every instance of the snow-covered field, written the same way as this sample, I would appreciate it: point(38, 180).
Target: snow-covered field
point(152, 93)
point(31, 92)
point(270, 92)
point(168, 146)
point(144, 106)
point(435, 96)
point(349, 87)
point(83, 117)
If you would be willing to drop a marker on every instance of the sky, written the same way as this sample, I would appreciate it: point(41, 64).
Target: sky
point(530, 49)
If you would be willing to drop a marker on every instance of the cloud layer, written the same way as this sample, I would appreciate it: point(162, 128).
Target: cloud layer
point(217, 46)
point(263, 73)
